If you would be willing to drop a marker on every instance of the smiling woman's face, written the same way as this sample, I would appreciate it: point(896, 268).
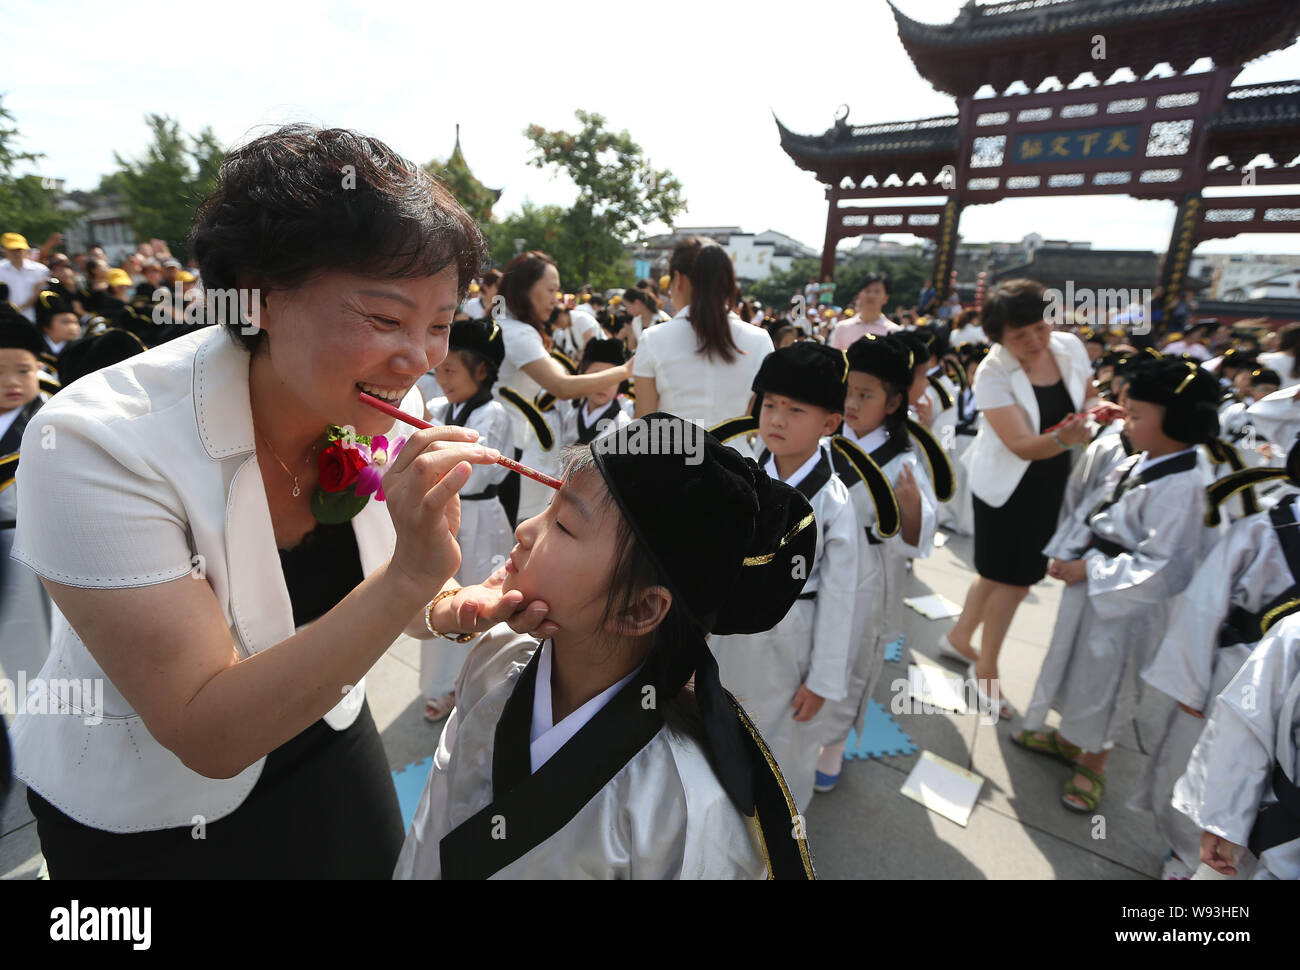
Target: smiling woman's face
point(339, 333)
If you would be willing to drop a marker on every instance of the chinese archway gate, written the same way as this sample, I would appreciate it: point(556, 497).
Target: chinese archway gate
point(1151, 139)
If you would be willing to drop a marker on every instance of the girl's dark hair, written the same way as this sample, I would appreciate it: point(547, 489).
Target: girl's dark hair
point(521, 273)
point(880, 278)
point(471, 359)
point(491, 278)
point(635, 569)
point(644, 296)
point(303, 200)
point(1012, 304)
point(713, 288)
point(965, 318)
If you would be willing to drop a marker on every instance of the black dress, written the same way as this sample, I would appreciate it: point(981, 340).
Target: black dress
point(1009, 540)
point(324, 806)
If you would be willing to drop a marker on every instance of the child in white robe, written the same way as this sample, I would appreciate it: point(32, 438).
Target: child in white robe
point(1123, 555)
point(875, 424)
point(1214, 626)
point(466, 376)
point(1240, 787)
point(602, 411)
point(587, 756)
point(785, 676)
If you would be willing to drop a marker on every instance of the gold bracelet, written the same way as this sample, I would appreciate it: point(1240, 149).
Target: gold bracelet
point(428, 618)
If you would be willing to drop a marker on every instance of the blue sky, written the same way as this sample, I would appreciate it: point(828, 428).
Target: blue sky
point(695, 83)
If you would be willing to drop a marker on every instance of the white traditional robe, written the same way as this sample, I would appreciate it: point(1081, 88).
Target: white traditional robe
point(485, 537)
point(1099, 459)
point(662, 814)
point(610, 417)
point(813, 643)
point(1109, 624)
point(1246, 569)
point(1253, 726)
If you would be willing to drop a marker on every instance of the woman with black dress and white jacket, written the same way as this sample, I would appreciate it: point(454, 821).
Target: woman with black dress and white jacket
point(1027, 391)
point(174, 525)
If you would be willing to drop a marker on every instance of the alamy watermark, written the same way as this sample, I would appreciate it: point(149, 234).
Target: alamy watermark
point(655, 437)
point(1127, 308)
point(53, 696)
point(220, 306)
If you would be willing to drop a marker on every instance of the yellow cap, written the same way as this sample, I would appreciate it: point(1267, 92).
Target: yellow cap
point(185, 276)
point(118, 277)
point(849, 312)
point(665, 281)
point(615, 300)
point(473, 287)
point(11, 240)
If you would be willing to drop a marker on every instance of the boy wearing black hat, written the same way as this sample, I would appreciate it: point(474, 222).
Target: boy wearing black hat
point(1128, 550)
point(24, 606)
point(466, 376)
point(786, 675)
point(601, 411)
point(57, 320)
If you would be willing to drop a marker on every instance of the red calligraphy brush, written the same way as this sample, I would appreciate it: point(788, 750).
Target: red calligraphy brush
point(401, 415)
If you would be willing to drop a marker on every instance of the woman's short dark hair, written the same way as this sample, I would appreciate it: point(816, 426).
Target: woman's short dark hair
point(521, 274)
point(713, 290)
point(1012, 304)
point(491, 278)
point(302, 200)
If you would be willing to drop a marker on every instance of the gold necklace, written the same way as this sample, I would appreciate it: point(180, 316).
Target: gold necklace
point(296, 490)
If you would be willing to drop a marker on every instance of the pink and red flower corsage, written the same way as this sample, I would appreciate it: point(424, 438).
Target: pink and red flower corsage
point(351, 470)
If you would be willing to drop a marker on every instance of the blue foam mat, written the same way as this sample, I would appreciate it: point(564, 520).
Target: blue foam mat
point(894, 651)
point(881, 736)
point(409, 782)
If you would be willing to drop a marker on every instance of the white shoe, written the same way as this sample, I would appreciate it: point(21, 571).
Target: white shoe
point(986, 705)
point(949, 652)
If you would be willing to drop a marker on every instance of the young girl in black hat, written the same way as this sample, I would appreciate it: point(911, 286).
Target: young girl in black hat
point(1129, 548)
point(587, 755)
point(466, 376)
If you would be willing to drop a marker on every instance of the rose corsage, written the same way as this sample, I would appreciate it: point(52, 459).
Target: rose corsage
point(352, 469)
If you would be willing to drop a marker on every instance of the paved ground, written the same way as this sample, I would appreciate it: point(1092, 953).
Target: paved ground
point(866, 828)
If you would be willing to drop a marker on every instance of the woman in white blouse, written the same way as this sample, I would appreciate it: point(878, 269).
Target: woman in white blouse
point(1027, 391)
point(700, 365)
point(530, 289)
point(167, 504)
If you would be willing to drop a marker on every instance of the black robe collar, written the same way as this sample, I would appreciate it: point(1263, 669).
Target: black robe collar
point(815, 480)
point(459, 417)
point(1128, 481)
point(585, 433)
point(533, 806)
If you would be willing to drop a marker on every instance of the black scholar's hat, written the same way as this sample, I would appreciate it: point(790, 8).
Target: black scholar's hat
point(885, 359)
point(481, 336)
point(810, 372)
point(1189, 394)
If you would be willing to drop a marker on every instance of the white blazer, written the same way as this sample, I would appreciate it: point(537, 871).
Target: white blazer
point(126, 476)
point(995, 470)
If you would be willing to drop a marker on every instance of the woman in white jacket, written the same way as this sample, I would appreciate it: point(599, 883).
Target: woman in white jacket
point(1031, 380)
point(167, 504)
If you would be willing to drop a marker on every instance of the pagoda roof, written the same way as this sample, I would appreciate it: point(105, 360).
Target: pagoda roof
point(1254, 119)
point(1032, 40)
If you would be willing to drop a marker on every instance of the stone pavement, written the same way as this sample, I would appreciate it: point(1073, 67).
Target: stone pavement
point(866, 828)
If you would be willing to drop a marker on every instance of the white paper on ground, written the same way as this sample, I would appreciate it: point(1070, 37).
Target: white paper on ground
point(940, 540)
point(937, 686)
point(934, 607)
point(943, 787)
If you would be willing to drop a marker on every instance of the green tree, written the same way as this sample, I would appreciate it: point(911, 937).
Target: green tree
point(777, 290)
point(27, 205)
point(557, 233)
point(619, 194)
point(164, 187)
